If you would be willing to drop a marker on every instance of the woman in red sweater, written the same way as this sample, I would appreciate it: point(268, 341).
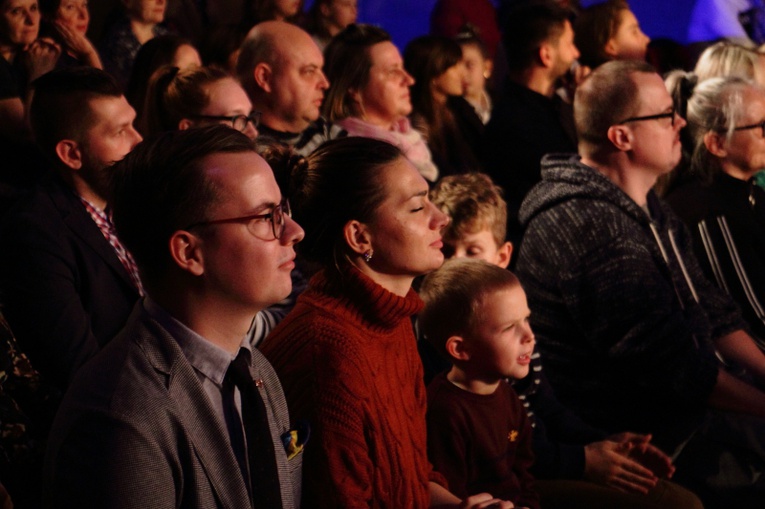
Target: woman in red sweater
point(346, 354)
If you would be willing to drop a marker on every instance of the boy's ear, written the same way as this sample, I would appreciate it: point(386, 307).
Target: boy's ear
point(456, 347)
point(504, 254)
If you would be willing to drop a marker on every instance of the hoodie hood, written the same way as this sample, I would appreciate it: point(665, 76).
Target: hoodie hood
point(565, 177)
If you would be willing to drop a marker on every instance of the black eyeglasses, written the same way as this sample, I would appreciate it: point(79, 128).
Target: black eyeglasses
point(761, 125)
point(670, 115)
point(255, 223)
point(238, 122)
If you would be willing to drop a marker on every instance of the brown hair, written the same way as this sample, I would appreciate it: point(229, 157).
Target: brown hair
point(607, 96)
point(174, 95)
point(454, 295)
point(161, 187)
point(594, 27)
point(528, 25)
point(474, 203)
point(346, 64)
point(339, 182)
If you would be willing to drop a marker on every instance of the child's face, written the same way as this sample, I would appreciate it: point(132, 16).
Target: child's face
point(502, 343)
point(477, 69)
point(479, 245)
point(629, 42)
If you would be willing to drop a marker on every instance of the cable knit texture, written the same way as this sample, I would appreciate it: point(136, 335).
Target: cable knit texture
point(348, 362)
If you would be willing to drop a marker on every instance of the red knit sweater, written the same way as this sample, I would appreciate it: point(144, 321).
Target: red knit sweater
point(347, 359)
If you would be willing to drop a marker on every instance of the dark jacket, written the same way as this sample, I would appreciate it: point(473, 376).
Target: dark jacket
point(625, 335)
point(727, 221)
point(64, 291)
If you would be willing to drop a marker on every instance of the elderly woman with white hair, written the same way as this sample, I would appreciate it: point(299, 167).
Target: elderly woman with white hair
point(716, 196)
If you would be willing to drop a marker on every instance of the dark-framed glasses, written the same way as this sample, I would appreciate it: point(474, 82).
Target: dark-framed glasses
point(669, 114)
point(238, 122)
point(761, 125)
point(268, 226)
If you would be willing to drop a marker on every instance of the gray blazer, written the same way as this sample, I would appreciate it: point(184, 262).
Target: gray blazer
point(136, 430)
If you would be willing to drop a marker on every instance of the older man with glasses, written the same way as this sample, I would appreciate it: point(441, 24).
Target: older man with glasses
point(180, 410)
point(630, 329)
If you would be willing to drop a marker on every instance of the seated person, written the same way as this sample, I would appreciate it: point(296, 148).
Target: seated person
point(327, 18)
point(576, 461)
point(66, 22)
point(280, 68)
point(717, 198)
point(369, 93)
point(68, 282)
point(609, 31)
point(479, 436)
point(478, 69)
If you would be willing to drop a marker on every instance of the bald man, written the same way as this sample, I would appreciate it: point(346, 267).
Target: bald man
point(280, 67)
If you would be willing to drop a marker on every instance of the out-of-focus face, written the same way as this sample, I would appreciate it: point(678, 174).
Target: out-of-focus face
point(479, 245)
point(655, 143)
point(477, 70)
point(629, 42)
point(186, 57)
point(74, 15)
point(745, 149)
point(564, 51)
point(501, 344)
point(451, 82)
point(146, 11)
point(385, 97)
point(284, 9)
point(228, 99)
point(244, 271)
point(19, 22)
point(108, 139)
point(298, 85)
point(340, 13)
point(406, 228)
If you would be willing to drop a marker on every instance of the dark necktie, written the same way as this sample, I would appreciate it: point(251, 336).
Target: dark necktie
point(263, 478)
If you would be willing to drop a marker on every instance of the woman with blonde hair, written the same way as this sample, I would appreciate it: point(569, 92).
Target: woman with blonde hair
point(181, 99)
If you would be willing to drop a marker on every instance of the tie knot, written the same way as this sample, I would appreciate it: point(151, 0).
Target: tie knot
point(239, 370)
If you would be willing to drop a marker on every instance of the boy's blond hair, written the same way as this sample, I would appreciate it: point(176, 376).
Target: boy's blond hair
point(453, 297)
point(474, 203)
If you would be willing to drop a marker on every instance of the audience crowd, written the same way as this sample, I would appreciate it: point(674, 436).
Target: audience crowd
point(253, 254)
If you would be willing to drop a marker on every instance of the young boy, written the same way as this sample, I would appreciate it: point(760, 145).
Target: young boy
point(478, 218)
point(479, 436)
point(581, 465)
point(609, 31)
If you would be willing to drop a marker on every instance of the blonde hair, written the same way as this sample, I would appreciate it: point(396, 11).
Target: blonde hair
point(727, 59)
point(454, 295)
point(474, 203)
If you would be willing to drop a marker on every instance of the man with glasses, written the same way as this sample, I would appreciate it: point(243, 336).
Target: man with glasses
point(627, 323)
point(280, 68)
point(180, 410)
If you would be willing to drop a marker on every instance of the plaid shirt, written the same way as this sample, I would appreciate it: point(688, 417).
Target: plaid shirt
point(102, 219)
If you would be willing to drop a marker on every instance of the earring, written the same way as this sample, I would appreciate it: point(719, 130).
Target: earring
point(368, 255)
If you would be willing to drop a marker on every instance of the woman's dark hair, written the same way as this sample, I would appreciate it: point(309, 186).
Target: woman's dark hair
point(153, 54)
point(339, 182)
point(346, 64)
point(426, 58)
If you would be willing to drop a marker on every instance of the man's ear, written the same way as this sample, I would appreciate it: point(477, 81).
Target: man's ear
point(716, 144)
point(457, 349)
point(186, 252)
point(69, 153)
point(357, 237)
point(545, 54)
point(620, 136)
point(504, 254)
point(263, 75)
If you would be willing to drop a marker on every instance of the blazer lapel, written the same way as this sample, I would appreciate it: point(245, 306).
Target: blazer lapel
point(205, 428)
point(78, 220)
